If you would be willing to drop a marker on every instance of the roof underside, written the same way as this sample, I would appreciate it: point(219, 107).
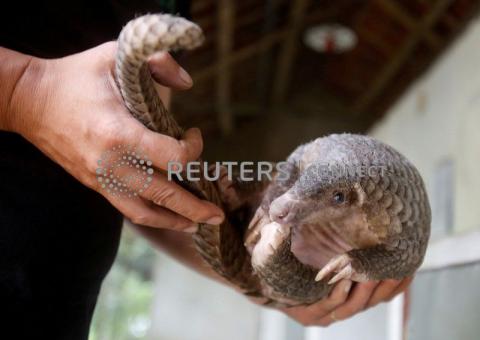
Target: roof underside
point(256, 80)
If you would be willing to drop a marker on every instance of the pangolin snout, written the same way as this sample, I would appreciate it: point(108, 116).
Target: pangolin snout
point(284, 209)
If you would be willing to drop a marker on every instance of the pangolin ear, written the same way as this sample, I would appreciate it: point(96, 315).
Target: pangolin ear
point(359, 195)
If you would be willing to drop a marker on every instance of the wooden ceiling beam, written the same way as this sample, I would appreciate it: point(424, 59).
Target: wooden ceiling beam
point(199, 6)
point(399, 14)
point(451, 22)
point(263, 44)
point(288, 51)
point(374, 40)
point(260, 46)
point(225, 36)
point(404, 52)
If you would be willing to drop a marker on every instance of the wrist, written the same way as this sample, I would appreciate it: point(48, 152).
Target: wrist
point(23, 98)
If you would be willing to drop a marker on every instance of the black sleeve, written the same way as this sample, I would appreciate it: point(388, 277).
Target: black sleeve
point(55, 28)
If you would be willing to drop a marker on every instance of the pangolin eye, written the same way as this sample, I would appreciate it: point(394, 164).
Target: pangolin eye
point(338, 197)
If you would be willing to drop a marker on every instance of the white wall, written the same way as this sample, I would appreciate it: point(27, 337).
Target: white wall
point(438, 119)
point(188, 306)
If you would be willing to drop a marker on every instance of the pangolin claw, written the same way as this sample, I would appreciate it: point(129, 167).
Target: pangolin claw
point(342, 265)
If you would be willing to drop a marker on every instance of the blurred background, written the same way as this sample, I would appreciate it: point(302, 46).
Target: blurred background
point(275, 74)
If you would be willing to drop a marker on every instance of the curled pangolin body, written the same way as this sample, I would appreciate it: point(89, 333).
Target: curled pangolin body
point(395, 211)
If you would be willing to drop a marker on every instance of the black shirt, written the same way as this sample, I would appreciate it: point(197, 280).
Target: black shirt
point(58, 239)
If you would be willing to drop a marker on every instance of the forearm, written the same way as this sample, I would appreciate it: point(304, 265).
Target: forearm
point(19, 74)
point(179, 245)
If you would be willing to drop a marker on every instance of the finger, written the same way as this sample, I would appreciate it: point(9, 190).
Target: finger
point(163, 149)
point(337, 297)
point(310, 315)
point(339, 294)
point(402, 287)
point(383, 292)
point(140, 212)
point(170, 195)
point(356, 302)
point(166, 71)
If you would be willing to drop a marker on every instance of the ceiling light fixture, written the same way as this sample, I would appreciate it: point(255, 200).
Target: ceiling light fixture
point(331, 38)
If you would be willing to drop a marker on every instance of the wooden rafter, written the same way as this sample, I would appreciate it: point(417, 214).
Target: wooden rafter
point(451, 22)
point(260, 46)
point(372, 39)
point(198, 6)
point(288, 51)
point(225, 35)
point(391, 69)
point(398, 13)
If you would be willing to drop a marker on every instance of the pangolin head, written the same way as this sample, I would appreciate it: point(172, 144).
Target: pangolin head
point(331, 173)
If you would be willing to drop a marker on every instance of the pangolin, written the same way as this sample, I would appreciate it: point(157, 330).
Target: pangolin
point(347, 206)
point(351, 207)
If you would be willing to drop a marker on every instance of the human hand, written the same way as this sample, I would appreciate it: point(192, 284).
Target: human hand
point(71, 110)
point(347, 299)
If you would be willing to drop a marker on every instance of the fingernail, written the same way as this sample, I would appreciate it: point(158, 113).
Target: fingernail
point(214, 220)
point(192, 229)
point(185, 76)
